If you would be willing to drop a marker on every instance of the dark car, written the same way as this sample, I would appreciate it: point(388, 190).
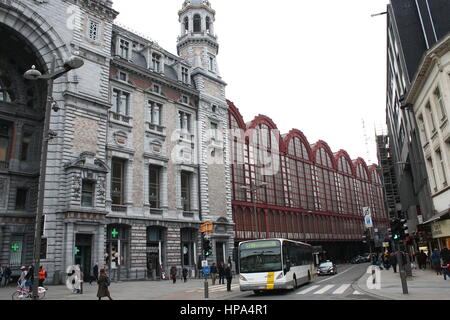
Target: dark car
point(357, 260)
point(326, 268)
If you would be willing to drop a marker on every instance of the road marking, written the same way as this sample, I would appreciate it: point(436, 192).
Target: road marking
point(339, 274)
point(342, 289)
point(308, 290)
point(325, 289)
point(357, 292)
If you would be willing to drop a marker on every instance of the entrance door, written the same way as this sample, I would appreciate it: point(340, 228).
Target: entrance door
point(83, 249)
point(153, 267)
point(220, 253)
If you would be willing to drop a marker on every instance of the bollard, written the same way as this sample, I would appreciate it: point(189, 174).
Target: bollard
point(373, 275)
point(206, 289)
point(81, 286)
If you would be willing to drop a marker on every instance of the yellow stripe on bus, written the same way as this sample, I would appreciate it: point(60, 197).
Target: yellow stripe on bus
point(270, 281)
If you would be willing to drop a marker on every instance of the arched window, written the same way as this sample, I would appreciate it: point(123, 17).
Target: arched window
point(4, 92)
point(197, 23)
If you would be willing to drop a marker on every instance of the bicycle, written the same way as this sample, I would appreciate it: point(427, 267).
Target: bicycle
point(25, 293)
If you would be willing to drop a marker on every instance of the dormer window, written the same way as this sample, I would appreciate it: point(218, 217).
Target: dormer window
point(156, 60)
point(123, 76)
point(197, 23)
point(185, 74)
point(185, 99)
point(94, 28)
point(156, 89)
point(124, 49)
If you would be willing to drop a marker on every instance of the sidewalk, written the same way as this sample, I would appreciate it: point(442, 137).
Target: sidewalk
point(140, 290)
point(424, 285)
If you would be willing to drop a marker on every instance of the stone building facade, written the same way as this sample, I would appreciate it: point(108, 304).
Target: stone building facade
point(141, 155)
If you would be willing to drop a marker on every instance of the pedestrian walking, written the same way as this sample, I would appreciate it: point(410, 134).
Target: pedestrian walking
point(213, 273)
point(422, 259)
point(42, 276)
point(173, 274)
point(446, 270)
point(445, 255)
point(2, 272)
point(95, 274)
point(185, 274)
point(103, 283)
point(393, 261)
point(436, 262)
point(229, 276)
point(221, 273)
point(7, 275)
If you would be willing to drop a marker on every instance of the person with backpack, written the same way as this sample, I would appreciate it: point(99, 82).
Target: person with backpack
point(103, 283)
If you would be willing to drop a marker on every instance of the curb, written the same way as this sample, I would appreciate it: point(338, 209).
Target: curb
point(357, 287)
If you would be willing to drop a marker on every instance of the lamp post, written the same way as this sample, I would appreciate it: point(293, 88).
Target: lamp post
point(252, 190)
point(73, 62)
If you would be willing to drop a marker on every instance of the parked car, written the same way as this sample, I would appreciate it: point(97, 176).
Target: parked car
point(326, 268)
point(356, 260)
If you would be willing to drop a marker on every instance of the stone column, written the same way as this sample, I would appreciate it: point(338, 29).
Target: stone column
point(108, 200)
point(1, 241)
point(146, 182)
point(18, 133)
point(129, 183)
point(164, 189)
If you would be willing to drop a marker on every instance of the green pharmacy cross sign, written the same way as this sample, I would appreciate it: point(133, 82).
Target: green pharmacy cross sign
point(77, 251)
point(114, 233)
point(15, 247)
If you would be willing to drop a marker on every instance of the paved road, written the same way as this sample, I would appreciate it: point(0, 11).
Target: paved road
point(338, 287)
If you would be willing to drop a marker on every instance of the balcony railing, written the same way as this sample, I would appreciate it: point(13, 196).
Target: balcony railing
point(4, 165)
point(120, 117)
point(155, 127)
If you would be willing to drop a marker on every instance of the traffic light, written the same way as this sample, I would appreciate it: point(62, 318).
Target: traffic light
point(207, 249)
point(404, 228)
point(396, 230)
point(366, 236)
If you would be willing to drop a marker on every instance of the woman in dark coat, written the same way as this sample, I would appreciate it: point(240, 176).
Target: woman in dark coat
point(221, 273)
point(228, 276)
point(103, 281)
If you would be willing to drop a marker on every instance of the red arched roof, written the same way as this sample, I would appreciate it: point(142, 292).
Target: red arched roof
point(234, 111)
point(375, 169)
point(342, 153)
point(358, 162)
point(295, 133)
point(323, 145)
point(265, 120)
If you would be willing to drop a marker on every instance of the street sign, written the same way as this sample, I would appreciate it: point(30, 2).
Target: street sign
point(206, 228)
point(206, 270)
point(386, 245)
point(204, 263)
point(367, 217)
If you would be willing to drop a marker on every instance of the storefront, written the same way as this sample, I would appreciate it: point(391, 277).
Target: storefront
point(117, 249)
point(155, 251)
point(441, 232)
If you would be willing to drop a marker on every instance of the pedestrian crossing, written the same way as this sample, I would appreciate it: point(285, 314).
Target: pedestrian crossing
point(215, 288)
point(330, 288)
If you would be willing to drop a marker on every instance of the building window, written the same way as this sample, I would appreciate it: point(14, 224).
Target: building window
point(154, 187)
point(5, 139)
point(156, 60)
point(433, 174)
point(197, 23)
point(185, 121)
point(186, 191)
point(15, 258)
point(123, 76)
point(88, 193)
point(118, 181)
point(155, 110)
point(156, 89)
point(186, 25)
point(124, 49)
point(121, 102)
point(440, 101)
point(21, 198)
point(4, 95)
point(214, 131)
point(94, 30)
point(185, 74)
point(443, 175)
point(26, 142)
point(423, 129)
point(211, 63)
point(431, 117)
point(208, 24)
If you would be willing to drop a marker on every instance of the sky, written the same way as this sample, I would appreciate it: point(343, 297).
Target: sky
point(316, 66)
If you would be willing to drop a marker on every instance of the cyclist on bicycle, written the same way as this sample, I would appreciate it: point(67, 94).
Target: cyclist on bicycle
point(22, 277)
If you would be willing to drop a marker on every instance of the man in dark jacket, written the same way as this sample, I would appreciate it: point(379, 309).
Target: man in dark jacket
point(393, 261)
point(95, 273)
point(7, 275)
point(445, 255)
point(29, 278)
point(213, 274)
point(229, 276)
point(422, 259)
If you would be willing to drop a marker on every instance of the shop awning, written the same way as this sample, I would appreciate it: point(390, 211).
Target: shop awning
point(438, 217)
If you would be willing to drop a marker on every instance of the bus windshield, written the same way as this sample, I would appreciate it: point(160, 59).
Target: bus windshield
point(262, 259)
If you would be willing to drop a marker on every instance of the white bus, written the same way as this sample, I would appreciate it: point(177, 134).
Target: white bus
point(274, 264)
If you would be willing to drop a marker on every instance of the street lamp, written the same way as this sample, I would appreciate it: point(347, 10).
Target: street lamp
point(73, 62)
point(252, 190)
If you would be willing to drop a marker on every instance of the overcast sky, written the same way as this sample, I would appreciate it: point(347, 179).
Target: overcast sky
point(317, 66)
